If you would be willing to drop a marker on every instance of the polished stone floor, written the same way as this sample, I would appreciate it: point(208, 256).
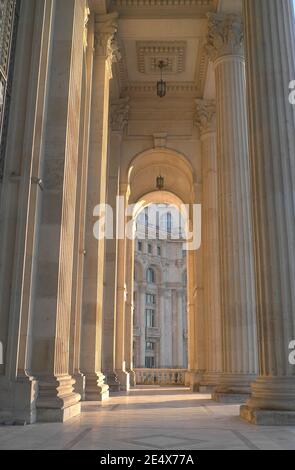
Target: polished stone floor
point(151, 419)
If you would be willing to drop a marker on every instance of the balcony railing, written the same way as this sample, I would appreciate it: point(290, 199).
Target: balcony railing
point(160, 376)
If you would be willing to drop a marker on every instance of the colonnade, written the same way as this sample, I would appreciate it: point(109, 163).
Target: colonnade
point(67, 298)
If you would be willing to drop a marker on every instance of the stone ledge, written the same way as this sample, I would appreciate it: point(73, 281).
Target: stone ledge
point(237, 398)
point(54, 415)
point(267, 417)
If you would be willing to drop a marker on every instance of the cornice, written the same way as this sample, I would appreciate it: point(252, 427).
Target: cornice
point(163, 8)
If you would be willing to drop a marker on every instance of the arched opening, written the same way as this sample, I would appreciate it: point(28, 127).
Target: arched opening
point(147, 287)
point(160, 297)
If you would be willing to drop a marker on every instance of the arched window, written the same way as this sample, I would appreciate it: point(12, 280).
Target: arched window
point(150, 276)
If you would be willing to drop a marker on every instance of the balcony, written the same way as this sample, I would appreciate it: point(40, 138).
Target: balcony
point(162, 377)
point(136, 332)
point(153, 332)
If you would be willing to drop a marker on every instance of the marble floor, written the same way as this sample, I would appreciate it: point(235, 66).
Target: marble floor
point(151, 419)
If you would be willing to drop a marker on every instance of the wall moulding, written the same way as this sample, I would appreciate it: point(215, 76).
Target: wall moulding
point(163, 8)
point(189, 89)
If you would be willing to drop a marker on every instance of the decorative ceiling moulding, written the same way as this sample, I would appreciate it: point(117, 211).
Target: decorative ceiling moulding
point(150, 53)
point(163, 8)
point(174, 89)
point(202, 67)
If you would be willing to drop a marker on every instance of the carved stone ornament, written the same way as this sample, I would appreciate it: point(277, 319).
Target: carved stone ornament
point(225, 36)
point(106, 27)
point(205, 117)
point(119, 114)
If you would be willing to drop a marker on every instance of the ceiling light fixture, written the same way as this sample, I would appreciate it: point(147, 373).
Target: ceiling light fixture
point(161, 85)
point(160, 183)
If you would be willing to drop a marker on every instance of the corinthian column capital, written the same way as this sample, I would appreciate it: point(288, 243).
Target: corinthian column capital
point(225, 36)
point(105, 44)
point(205, 117)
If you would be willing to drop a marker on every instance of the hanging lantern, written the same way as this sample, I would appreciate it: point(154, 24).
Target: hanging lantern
point(161, 84)
point(160, 183)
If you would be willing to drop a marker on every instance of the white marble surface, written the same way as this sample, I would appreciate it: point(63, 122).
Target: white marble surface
point(151, 419)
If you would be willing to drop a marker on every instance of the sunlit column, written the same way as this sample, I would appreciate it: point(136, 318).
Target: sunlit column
point(206, 122)
point(270, 39)
point(119, 119)
point(225, 47)
point(105, 52)
point(51, 304)
point(141, 315)
point(162, 315)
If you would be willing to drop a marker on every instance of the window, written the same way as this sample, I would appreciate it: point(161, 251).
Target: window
point(139, 246)
point(9, 16)
point(169, 222)
point(159, 251)
point(150, 299)
point(150, 276)
point(150, 249)
point(149, 318)
point(149, 346)
point(150, 362)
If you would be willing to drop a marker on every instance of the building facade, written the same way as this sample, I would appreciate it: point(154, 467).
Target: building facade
point(84, 123)
point(160, 296)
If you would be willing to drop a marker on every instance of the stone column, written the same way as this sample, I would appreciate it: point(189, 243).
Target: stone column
point(119, 119)
point(129, 311)
point(54, 267)
point(225, 47)
point(162, 316)
point(270, 38)
point(141, 314)
point(168, 328)
point(180, 329)
point(105, 51)
point(206, 121)
point(78, 267)
point(121, 296)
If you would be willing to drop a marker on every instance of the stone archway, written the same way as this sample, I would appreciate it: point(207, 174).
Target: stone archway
point(139, 192)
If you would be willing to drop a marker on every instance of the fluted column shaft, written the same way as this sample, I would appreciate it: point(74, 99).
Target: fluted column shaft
point(142, 293)
point(270, 39)
point(225, 45)
point(51, 305)
point(91, 335)
point(163, 340)
point(119, 118)
point(206, 121)
point(180, 329)
point(121, 297)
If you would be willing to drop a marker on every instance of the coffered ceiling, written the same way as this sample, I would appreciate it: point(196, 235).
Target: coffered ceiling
point(173, 31)
point(178, 43)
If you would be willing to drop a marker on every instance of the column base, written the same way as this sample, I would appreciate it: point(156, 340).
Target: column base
point(229, 397)
point(272, 402)
point(18, 400)
point(56, 400)
point(95, 387)
point(267, 418)
point(112, 381)
point(132, 378)
point(195, 380)
point(233, 388)
point(79, 386)
point(124, 379)
point(209, 382)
